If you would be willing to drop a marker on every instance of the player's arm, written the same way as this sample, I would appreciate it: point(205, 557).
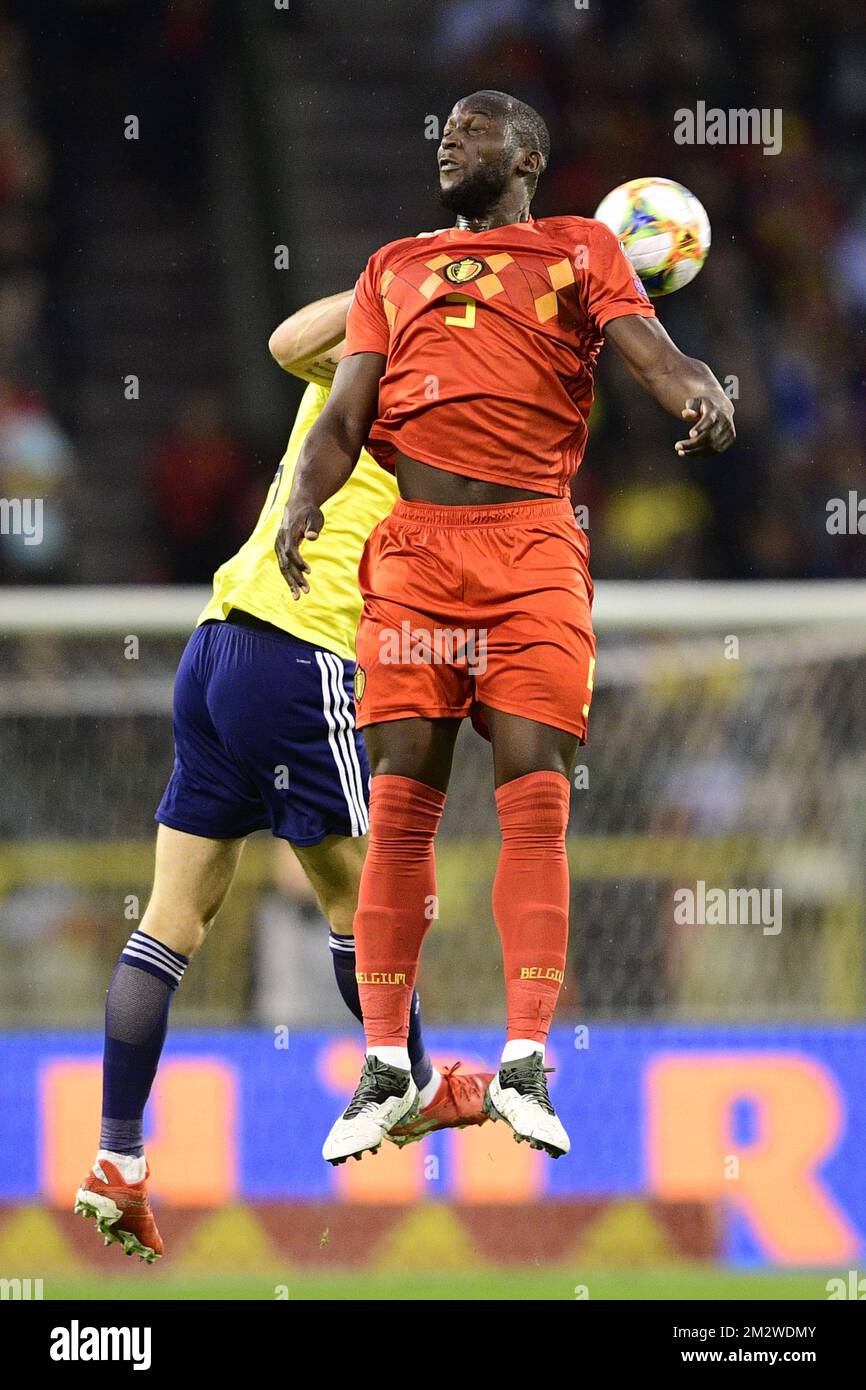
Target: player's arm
point(683, 385)
point(330, 452)
point(307, 342)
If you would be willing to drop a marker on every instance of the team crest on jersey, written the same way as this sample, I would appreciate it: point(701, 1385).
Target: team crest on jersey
point(461, 272)
point(360, 683)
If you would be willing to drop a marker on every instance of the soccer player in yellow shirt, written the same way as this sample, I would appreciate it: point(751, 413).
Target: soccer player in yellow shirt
point(265, 737)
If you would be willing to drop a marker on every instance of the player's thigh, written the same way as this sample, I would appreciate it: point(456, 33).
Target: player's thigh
point(521, 746)
point(192, 876)
point(333, 868)
point(422, 749)
point(537, 661)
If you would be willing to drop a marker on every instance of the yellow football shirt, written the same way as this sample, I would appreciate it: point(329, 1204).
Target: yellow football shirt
point(251, 580)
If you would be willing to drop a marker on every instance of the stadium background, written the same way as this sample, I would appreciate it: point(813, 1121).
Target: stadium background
point(712, 1076)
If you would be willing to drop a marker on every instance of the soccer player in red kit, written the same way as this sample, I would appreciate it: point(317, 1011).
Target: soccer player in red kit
point(468, 371)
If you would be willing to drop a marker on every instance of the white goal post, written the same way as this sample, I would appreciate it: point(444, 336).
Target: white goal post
point(620, 605)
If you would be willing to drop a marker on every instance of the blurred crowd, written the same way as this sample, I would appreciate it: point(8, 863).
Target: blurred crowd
point(36, 457)
point(778, 311)
point(196, 486)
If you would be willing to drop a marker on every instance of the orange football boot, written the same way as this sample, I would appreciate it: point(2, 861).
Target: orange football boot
point(121, 1211)
point(457, 1103)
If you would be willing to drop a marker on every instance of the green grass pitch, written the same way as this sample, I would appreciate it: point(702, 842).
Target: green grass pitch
point(678, 1282)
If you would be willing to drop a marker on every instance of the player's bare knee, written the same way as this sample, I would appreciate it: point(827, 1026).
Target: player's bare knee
point(183, 932)
point(341, 917)
point(420, 749)
point(339, 906)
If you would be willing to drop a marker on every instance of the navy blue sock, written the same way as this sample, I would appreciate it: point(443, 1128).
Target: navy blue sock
point(136, 1020)
point(343, 955)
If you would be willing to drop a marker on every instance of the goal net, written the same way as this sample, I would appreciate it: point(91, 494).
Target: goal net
point(717, 839)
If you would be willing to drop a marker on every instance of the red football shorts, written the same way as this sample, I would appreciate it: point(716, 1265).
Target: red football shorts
point(468, 606)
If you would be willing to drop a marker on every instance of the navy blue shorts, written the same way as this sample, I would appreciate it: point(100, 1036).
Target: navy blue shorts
point(264, 737)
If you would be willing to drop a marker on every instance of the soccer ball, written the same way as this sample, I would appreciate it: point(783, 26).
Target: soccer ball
point(663, 229)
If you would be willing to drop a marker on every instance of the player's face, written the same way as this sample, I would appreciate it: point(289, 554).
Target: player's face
point(474, 164)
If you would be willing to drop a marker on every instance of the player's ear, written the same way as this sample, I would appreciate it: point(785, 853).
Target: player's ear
point(529, 163)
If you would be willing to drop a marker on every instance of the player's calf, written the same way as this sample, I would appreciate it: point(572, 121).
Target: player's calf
point(530, 900)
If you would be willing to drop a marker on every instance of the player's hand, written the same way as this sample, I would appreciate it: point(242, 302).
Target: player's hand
point(712, 427)
point(302, 521)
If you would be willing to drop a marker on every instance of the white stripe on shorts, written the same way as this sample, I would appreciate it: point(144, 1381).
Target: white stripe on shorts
point(344, 704)
point(341, 725)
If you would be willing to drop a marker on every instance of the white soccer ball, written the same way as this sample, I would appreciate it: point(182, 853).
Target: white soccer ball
point(663, 228)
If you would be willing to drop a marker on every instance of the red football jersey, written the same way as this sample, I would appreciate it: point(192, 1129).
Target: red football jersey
point(491, 340)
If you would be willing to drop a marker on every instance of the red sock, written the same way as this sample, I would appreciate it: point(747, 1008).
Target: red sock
point(530, 898)
point(396, 903)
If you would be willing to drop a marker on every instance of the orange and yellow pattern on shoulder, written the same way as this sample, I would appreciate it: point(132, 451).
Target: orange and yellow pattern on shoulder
point(251, 580)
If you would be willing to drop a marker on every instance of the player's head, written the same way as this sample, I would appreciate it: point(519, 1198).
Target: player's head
point(492, 144)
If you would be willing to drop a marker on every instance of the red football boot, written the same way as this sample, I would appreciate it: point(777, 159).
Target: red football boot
point(457, 1103)
point(121, 1211)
